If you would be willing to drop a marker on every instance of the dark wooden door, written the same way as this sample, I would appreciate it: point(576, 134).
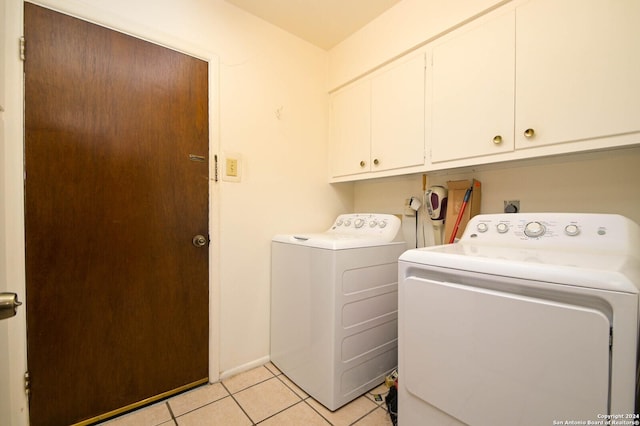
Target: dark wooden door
point(117, 294)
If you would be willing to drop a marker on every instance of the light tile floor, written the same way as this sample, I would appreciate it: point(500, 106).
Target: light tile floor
point(261, 396)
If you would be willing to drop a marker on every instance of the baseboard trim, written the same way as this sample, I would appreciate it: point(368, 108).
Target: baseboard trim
point(244, 367)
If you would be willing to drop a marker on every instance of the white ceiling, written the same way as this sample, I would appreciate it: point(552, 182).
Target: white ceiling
point(324, 23)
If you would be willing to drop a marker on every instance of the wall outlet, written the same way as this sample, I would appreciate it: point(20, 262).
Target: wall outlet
point(408, 211)
point(511, 206)
point(411, 206)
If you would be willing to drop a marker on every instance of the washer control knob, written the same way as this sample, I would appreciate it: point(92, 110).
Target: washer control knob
point(347, 222)
point(358, 223)
point(339, 222)
point(571, 230)
point(373, 223)
point(483, 227)
point(502, 227)
point(383, 224)
point(534, 229)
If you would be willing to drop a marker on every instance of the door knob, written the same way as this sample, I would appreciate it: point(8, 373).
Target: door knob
point(199, 241)
point(8, 305)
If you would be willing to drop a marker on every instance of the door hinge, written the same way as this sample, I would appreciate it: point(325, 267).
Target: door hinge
point(22, 46)
point(610, 338)
point(27, 383)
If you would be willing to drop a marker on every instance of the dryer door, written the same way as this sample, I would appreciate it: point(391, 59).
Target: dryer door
point(488, 357)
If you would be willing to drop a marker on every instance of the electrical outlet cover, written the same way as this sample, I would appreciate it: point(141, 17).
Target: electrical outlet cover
point(511, 206)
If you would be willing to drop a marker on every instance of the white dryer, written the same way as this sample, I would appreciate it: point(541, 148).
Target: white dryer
point(334, 298)
point(531, 319)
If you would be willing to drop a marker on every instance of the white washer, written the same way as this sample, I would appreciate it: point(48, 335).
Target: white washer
point(529, 319)
point(334, 298)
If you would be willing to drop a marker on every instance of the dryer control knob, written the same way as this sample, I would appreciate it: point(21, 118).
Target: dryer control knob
point(373, 224)
point(382, 224)
point(358, 223)
point(571, 230)
point(534, 229)
point(502, 227)
point(483, 227)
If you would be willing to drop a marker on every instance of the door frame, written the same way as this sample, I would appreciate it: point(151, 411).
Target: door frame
point(12, 195)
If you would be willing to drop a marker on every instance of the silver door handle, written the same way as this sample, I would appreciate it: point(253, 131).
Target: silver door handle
point(8, 305)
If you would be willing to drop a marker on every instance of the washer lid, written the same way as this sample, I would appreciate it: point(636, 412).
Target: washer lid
point(334, 241)
point(592, 270)
point(351, 231)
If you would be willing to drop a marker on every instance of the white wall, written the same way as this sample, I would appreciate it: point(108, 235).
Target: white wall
point(5, 399)
point(406, 26)
point(598, 182)
point(283, 185)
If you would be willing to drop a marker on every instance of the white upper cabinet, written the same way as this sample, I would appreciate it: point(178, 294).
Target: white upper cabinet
point(577, 70)
point(473, 90)
point(531, 78)
point(536, 78)
point(377, 123)
point(397, 115)
point(350, 137)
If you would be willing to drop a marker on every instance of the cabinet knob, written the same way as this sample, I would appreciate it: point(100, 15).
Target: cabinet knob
point(497, 140)
point(529, 133)
point(362, 164)
point(376, 162)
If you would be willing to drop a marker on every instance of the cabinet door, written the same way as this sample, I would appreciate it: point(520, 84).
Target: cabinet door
point(577, 70)
point(350, 130)
point(473, 91)
point(397, 115)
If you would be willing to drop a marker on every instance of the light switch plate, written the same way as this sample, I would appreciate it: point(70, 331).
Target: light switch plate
point(231, 167)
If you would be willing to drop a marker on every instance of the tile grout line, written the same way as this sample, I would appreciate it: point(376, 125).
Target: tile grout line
point(281, 411)
point(229, 394)
point(173, 417)
point(280, 377)
point(377, 405)
point(313, 408)
point(290, 388)
point(252, 385)
point(363, 416)
point(237, 403)
point(199, 406)
point(273, 376)
point(301, 398)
